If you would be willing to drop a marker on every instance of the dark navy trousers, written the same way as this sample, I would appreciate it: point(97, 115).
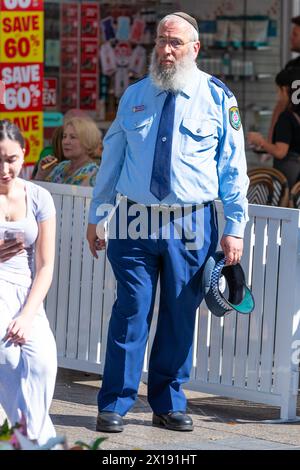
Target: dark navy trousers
point(137, 265)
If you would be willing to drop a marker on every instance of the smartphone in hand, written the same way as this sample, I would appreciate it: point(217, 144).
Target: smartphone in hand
point(17, 235)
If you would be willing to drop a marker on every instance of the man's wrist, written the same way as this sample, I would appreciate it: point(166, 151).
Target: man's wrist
point(234, 229)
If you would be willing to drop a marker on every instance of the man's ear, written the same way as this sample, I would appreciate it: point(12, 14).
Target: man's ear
point(196, 47)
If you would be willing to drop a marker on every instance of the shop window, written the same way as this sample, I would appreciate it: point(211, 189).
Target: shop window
point(95, 49)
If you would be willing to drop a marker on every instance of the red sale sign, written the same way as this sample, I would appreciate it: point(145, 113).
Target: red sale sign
point(89, 64)
point(69, 93)
point(89, 57)
point(69, 57)
point(21, 5)
point(23, 84)
point(21, 69)
point(31, 126)
point(22, 36)
point(2, 92)
point(70, 20)
point(50, 93)
point(89, 20)
point(88, 92)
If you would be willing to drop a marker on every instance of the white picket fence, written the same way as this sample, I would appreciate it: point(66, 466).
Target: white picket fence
point(247, 357)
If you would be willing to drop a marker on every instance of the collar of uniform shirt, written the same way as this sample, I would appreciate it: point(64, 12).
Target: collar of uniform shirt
point(187, 90)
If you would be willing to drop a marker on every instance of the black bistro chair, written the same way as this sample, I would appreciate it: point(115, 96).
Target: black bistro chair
point(280, 196)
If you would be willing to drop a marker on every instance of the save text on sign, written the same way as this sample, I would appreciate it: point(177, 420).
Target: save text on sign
point(21, 74)
point(21, 24)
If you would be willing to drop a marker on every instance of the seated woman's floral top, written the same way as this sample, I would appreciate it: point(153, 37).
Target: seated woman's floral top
point(84, 176)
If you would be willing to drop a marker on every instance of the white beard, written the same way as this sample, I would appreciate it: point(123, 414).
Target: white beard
point(173, 78)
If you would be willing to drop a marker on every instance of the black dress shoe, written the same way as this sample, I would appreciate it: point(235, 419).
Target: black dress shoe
point(109, 421)
point(175, 420)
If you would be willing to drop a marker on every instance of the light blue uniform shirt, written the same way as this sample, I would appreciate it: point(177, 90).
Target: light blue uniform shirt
point(208, 157)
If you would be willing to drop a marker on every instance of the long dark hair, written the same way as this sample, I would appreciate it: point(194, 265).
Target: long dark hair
point(286, 78)
point(9, 130)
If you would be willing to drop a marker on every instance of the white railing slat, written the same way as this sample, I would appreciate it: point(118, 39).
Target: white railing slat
point(64, 275)
point(228, 349)
point(270, 304)
point(73, 338)
point(51, 299)
point(258, 277)
point(97, 312)
point(215, 349)
point(108, 301)
point(203, 335)
point(243, 321)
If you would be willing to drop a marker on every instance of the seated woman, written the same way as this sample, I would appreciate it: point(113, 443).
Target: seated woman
point(285, 146)
point(81, 141)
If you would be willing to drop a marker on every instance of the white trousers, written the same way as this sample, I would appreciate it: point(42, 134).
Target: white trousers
point(27, 372)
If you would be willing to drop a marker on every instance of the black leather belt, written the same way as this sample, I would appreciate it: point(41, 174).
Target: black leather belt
point(158, 206)
point(165, 206)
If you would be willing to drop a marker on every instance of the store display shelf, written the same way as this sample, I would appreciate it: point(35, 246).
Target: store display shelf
point(265, 112)
point(236, 49)
point(263, 76)
point(237, 78)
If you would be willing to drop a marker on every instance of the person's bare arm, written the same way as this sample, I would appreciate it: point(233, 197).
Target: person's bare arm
point(278, 149)
point(281, 105)
point(18, 330)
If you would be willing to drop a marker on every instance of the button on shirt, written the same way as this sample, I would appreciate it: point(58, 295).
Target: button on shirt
point(208, 157)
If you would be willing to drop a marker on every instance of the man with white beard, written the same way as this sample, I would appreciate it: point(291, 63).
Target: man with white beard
point(175, 146)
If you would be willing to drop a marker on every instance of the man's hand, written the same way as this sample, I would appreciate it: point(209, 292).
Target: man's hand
point(232, 248)
point(94, 242)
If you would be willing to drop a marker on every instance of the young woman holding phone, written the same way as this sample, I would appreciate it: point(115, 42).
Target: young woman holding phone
point(28, 362)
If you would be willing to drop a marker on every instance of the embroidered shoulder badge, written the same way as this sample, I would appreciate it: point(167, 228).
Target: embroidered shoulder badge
point(235, 118)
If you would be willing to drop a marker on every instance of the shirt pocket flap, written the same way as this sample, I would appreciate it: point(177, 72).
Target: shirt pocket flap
point(199, 128)
point(131, 123)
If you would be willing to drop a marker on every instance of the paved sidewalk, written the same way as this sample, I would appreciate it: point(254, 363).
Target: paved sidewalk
point(216, 422)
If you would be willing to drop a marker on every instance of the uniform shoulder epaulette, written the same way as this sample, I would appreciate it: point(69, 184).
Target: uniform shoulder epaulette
point(139, 80)
point(222, 85)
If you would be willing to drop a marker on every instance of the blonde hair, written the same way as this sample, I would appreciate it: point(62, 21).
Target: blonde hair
point(89, 136)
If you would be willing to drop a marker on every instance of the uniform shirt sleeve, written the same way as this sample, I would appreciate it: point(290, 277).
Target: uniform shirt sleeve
point(283, 130)
point(232, 173)
point(114, 146)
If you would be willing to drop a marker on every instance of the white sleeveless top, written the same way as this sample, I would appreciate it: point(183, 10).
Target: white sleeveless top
point(39, 207)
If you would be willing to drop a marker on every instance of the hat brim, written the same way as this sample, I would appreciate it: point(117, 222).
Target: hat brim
point(247, 305)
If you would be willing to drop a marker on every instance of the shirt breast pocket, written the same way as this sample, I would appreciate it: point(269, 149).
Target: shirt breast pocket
point(197, 136)
point(136, 127)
